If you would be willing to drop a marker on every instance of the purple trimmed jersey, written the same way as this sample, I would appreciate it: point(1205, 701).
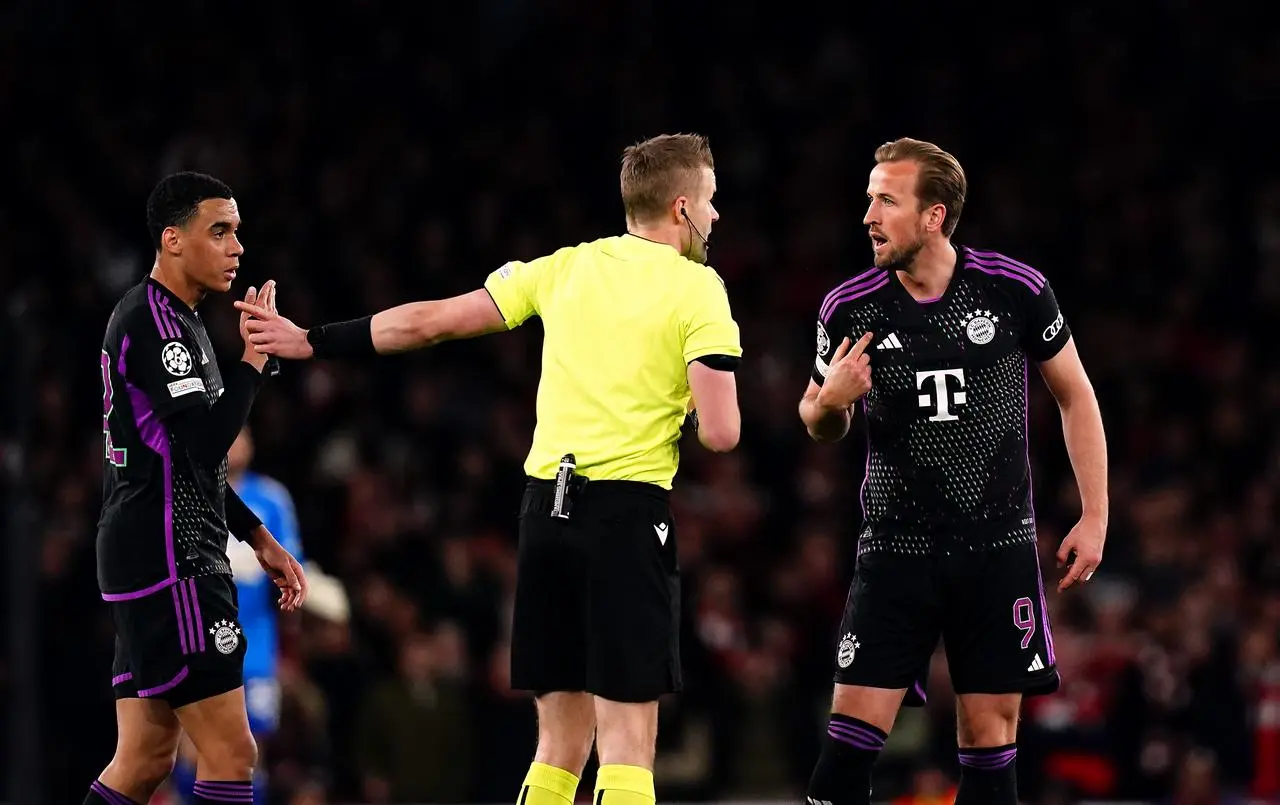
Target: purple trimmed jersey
point(163, 514)
point(946, 417)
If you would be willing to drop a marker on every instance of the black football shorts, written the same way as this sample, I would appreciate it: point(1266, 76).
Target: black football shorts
point(987, 606)
point(181, 644)
point(597, 606)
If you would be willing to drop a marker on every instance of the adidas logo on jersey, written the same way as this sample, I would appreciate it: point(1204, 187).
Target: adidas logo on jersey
point(890, 342)
point(1036, 664)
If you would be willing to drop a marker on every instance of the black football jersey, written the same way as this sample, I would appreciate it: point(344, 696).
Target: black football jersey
point(163, 514)
point(946, 417)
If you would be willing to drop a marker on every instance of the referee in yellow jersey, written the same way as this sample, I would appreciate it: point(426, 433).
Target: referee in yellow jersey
point(636, 325)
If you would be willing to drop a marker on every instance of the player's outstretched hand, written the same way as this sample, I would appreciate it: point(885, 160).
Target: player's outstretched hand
point(285, 571)
point(264, 299)
point(849, 376)
point(269, 333)
point(1081, 551)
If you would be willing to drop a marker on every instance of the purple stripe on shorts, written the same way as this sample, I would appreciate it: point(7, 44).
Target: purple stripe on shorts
point(125, 677)
point(1044, 615)
point(195, 608)
point(188, 622)
point(155, 588)
point(180, 612)
point(166, 687)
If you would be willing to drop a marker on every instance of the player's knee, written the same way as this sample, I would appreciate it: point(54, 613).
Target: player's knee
point(566, 730)
point(140, 770)
point(626, 732)
point(987, 721)
point(233, 758)
point(876, 706)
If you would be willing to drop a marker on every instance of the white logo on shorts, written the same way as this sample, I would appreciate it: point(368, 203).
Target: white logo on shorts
point(661, 530)
point(226, 636)
point(848, 647)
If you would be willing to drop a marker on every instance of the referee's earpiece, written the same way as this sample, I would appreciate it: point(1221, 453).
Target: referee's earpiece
point(682, 212)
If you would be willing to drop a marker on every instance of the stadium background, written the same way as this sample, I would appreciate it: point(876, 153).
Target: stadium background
point(383, 153)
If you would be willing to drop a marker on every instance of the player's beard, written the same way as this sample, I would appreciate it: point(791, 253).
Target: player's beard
point(901, 258)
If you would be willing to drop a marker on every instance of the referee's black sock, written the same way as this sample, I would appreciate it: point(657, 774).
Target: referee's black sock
point(842, 775)
point(100, 794)
point(212, 791)
point(988, 776)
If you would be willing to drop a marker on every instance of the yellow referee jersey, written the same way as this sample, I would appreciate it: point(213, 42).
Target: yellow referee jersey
point(623, 317)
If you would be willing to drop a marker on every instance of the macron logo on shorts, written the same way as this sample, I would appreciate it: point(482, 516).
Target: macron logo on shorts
point(661, 530)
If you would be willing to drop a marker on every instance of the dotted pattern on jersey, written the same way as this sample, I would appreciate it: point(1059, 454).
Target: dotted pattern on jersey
point(941, 481)
point(199, 494)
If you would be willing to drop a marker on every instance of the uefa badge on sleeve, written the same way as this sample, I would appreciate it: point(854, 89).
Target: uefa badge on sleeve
point(226, 636)
point(848, 647)
point(176, 358)
point(824, 340)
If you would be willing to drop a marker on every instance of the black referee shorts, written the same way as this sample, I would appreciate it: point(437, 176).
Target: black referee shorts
point(181, 644)
point(988, 607)
point(597, 605)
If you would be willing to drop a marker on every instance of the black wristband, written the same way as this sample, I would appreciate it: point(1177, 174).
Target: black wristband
point(343, 339)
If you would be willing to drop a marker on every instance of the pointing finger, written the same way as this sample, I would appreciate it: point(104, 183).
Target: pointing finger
point(861, 346)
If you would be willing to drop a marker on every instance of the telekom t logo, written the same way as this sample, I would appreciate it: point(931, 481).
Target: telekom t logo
point(939, 394)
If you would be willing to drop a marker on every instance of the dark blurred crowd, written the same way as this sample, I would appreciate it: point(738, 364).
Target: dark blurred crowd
point(381, 154)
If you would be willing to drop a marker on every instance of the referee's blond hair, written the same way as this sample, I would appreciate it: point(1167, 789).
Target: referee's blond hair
point(657, 170)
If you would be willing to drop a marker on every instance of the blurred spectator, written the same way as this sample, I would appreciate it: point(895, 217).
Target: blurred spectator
point(413, 739)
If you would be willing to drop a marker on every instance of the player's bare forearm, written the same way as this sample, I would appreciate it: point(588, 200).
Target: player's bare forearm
point(824, 424)
point(259, 537)
point(1065, 376)
point(423, 324)
point(1087, 448)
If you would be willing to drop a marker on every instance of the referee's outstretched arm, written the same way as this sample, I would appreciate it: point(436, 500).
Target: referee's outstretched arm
point(423, 324)
point(399, 329)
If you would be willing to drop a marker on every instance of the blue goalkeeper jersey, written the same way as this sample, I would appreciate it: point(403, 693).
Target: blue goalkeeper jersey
point(269, 500)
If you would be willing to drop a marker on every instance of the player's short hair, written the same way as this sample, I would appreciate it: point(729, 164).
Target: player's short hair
point(176, 198)
point(941, 179)
point(657, 170)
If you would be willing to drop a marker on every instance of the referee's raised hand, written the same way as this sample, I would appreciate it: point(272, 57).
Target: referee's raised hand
point(849, 376)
